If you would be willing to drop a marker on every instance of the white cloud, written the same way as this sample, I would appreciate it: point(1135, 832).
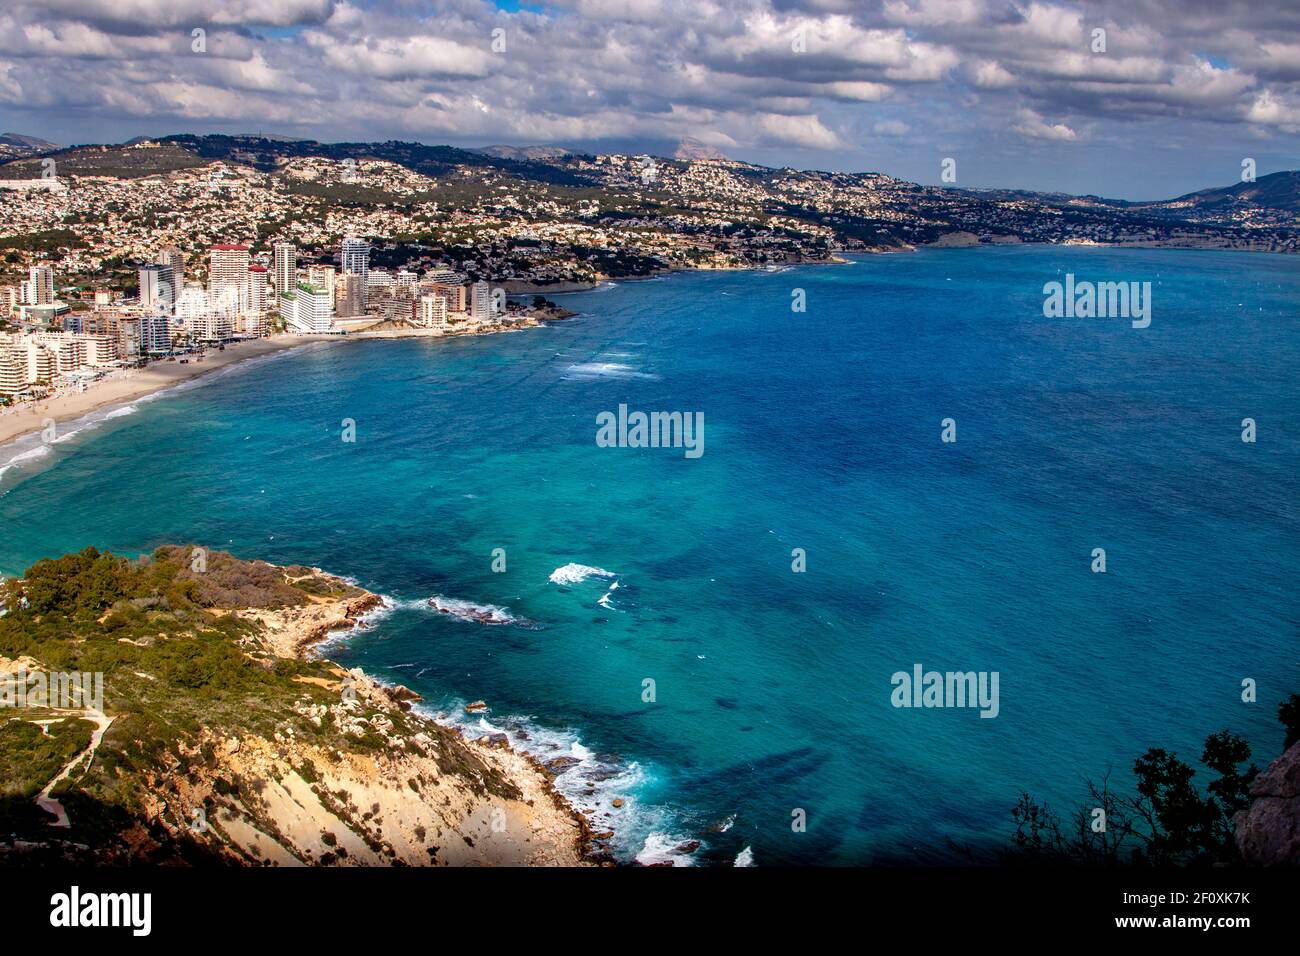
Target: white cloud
point(1029, 124)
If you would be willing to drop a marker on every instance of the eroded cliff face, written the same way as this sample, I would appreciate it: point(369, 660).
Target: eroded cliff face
point(416, 794)
point(1268, 831)
point(224, 739)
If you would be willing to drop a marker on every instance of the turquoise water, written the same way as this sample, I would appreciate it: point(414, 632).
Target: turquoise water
point(822, 432)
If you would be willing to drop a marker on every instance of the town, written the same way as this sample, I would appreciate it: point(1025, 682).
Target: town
point(174, 316)
point(160, 250)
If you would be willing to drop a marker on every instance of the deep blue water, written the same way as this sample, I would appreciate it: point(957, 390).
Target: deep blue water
point(822, 432)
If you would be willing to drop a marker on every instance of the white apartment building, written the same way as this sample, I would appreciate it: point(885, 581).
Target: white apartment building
point(42, 357)
point(154, 334)
point(378, 282)
point(480, 306)
point(157, 287)
point(444, 276)
point(306, 309)
point(432, 313)
point(355, 255)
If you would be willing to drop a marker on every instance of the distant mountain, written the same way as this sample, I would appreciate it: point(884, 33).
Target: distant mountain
point(689, 149)
point(18, 146)
point(530, 153)
point(33, 143)
point(1279, 191)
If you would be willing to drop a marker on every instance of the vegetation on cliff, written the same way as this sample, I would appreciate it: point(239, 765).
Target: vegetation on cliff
point(1169, 820)
point(223, 742)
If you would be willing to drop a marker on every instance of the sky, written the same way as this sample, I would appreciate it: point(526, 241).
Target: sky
point(1134, 99)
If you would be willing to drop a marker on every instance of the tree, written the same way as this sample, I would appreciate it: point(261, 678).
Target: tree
point(1168, 821)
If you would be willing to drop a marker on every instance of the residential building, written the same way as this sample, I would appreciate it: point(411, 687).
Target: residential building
point(157, 287)
point(284, 275)
point(306, 309)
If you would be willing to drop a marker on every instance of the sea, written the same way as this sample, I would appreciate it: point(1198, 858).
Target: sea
point(905, 464)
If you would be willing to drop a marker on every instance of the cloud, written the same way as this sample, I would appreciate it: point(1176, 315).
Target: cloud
point(821, 77)
point(1032, 126)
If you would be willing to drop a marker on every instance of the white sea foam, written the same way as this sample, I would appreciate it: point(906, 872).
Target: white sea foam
point(745, 857)
point(660, 848)
point(362, 622)
point(32, 447)
point(577, 573)
point(595, 370)
point(590, 783)
point(469, 611)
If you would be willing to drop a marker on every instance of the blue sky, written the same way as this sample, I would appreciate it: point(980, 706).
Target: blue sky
point(1135, 99)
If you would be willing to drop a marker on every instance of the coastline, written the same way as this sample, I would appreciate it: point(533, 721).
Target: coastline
point(123, 386)
point(297, 761)
point(128, 385)
point(303, 634)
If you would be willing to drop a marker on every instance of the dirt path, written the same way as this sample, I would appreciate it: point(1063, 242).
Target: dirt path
point(47, 802)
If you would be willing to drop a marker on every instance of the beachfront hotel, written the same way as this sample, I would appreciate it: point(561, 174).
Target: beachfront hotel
point(306, 309)
point(40, 359)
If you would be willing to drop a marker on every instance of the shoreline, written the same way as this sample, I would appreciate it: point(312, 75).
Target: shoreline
point(124, 386)
point(342, 618)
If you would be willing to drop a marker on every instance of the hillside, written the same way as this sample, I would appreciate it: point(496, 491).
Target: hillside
point(220, 741)
point(1279, 191)
point(549, 218)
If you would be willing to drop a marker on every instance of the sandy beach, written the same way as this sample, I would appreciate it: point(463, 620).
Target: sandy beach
point(123, 386)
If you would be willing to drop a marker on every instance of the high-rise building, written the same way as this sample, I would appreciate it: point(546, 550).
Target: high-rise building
point(480, 306)
point(355, 256)
point(350, 295)
point(284, 266)
point(255, 299)
point(432, 312)
point(157, 287)
point(154, 334)
point(444, 276)
point(38, 289)
point(322, 275)
point(454, 294)
point(171, 256)
point(228, 267)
